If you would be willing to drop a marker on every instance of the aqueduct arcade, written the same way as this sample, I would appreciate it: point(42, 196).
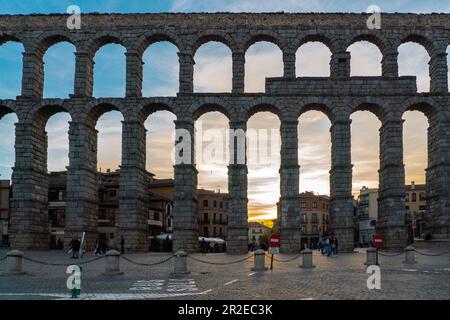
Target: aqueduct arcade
point(338, 96)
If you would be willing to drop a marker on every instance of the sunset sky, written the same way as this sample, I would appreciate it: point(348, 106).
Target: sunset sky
point(213, 74)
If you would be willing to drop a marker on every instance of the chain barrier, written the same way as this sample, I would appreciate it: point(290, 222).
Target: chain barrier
point(283, 261)
point(220, 263)
point(146, 264)
point(433, 255)
point(390, 255)
point(62, 264)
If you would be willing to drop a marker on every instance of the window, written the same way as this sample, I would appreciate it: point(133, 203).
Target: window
point(422, 196)
point(214, 218)
point(112, 193)
point(60, 196)
point(314, 228)
point(303, 205)
point(205, 217)
point(205, 231)
point(156, 216)
point(220, 231)
point(220, 218)
point(215, 204)
point(414, 197)
point(303, 217)
point(221, 205)
point(314, 205)
point(407, 197)
point(323, 205)
point(214, 231)
point(205, 203)
point(303, 229)
point(314, 218)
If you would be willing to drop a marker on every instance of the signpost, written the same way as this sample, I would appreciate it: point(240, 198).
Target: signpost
point(274, 246)
point(378, 242)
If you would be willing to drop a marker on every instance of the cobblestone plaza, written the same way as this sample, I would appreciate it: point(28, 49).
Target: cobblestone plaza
point(338, 96)
point(339, 277)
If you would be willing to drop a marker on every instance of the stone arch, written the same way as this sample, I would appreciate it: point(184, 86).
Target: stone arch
point(419, 39)
point(204, 107)
point(206, 37)
point(147, 109)
point(322, 107)
point(145, 41)
point(42, 111)
point(317, 37)
point(6, 37)
point(377, 40)
point(264, 107)
point(7, 107)
point(103, 39)
point(101, 106)
point(425, 105)
point(378, 109)
point(44, 43)
point(267, 36)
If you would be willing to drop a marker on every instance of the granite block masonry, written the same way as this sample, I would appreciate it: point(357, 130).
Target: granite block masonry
point(338, 96)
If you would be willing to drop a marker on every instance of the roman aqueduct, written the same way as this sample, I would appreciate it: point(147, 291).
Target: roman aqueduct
point(338, 96)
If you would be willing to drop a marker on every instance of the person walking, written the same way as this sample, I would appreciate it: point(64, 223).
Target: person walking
point(321, 246)
point(336, 244)
point(122, 245)
point(75, 246)
point(203, 246)
point(328, 247)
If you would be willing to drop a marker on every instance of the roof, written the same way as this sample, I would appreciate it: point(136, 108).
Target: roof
point(254, 224)
point(418, 187)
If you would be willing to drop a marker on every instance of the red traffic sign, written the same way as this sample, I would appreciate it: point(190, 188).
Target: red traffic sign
point(378, 241)
point(274, 240)
point(274, 243)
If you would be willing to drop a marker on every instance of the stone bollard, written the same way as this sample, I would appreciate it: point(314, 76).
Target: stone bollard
point(14, 263)
point(259, 261)
point(180, 262)
point(371, 256)
point(113, 263)
point(307, 259)
point(410, 254)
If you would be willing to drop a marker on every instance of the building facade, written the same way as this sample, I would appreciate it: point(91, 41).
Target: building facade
point(5, 194)
point(159, 208)
point(212, 216)
point(257, 233)
point(314, 218)
point(416, 209)
point(339, 95)
point(367, 214)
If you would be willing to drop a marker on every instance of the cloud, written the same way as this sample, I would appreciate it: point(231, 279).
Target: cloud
point(245, 6)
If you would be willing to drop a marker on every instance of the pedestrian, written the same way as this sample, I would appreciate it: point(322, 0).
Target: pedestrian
point(336, 245)
point(75, 246)
point(322, 246)
point(122, 245)
point(97, 247)
point(332, 245)
point(328, 247)
point(203, 246)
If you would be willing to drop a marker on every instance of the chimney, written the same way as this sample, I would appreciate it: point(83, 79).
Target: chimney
point(413, 185)
point(108, 170)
